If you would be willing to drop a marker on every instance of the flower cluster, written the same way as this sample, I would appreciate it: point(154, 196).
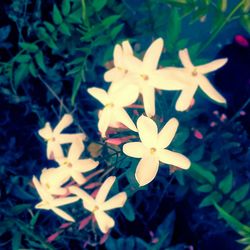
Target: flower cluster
point(130, 79)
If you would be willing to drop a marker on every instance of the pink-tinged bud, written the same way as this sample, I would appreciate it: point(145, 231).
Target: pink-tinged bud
point(216, 112)
point(241, 40)
point(155, 240)
point(53, 236)
point(198, 134)
point(192, 103)
point(93, 185)
point(104, 238)
point(223, 117)
point(65, 225)
point(213, 124)
point(118, 141)
point(242, 113)
point(83, 223)
point(90, 176)
point(93, 194)
point(136, 106)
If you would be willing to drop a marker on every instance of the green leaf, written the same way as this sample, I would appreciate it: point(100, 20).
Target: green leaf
point(240, 193)
point(84, 13)
point(245, 22)
point(56, 15)
point(227, 183)
point(108, 21)
point(197, 153)
point(16, 240)
point(116, 30)
point(51, 28)
point(246, 204)
point(23, 58)
point(33, 70)
point(18, 209)
point(222, 4)
point(65, 7)
point(39, 58)
point(244, 240)
point(173, 26)
point(21, 73)
point(234, 223)
point(181, 136)
point(64, 28)
point(30, 47)
point(34, 219)
point(205, 188)
point(77, 83)
point(43, 35)
point(128, 211)
point(210, 199)
point(99, 4)
point(228, 206)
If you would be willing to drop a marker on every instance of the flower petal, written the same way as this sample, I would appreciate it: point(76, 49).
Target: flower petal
point(209, 90)
point(104, 121)
point(174, 158)
point(46, 132)
point(212, 66)
point(64, 201)
point(118, 55)
point(167, 133)
point(134, 149)
point(100, 94)
point(146, 170)
point(41, 191)
point(78, 177)
point(133, 64)
point(147, 130)
point(127, 49)
point(88, 201)
point(75, 151)
point(152, 55)
point(115, 202)
point(70, 138)
point(63, 214)
point(85, 165)
point(104, 189)
point(148, 94)
point(122, 116)
point(113, 75)
point(104, 221)
point(66, 120)
point(185, 59)
point(184, 100)
point(54, 150)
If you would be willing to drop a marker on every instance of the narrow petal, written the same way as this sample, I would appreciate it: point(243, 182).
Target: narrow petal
point(185, 59)
point(41, 191)
point(118, 55)
point(134, 149)
point(85, 165)
point(104, 121)
point(147, 130)
point(122, 116)
point(167, 133)
point(152, 55)
point(212, 66)
point(64, 201)
point(54, 150)
point(63, 214)
point(104, 189)
point(113, 75)
point(69, 138)
point(100, 94)
point(115, 202)
point(146, 170)
point(133, 64)
point(185, 98)
point(104, 221)
point(46, 132)
point(127, 49)
point(148, 94)
point(75, 151)
point(66, 120)
point(127, 96)
point(88, 201)
point(78, 177)
point(209, 90)
point(174, 158)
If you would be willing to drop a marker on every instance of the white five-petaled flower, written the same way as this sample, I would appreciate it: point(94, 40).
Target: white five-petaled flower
point(50, 203)
point(114, 103)
point(119, 70)
point(147, 77)
point(98, 206)
point(193, 77)
point(73, 166)
point(152, 150)
point(54, 137)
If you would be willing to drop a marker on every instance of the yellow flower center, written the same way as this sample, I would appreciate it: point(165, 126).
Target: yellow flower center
point(47, 185)
point(194, 72)
point(144, 77)
point(95, 209)
point(152, 151)
point(109, 105)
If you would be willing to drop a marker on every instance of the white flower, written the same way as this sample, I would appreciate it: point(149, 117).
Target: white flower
point(152, 150)
point(98, 206)
point(73, 166)
point(193, 77)
point(119, 70)
point(54, 137)
point(52, 180)
point(50, 203)
point(114, 103)
point(147, 77)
